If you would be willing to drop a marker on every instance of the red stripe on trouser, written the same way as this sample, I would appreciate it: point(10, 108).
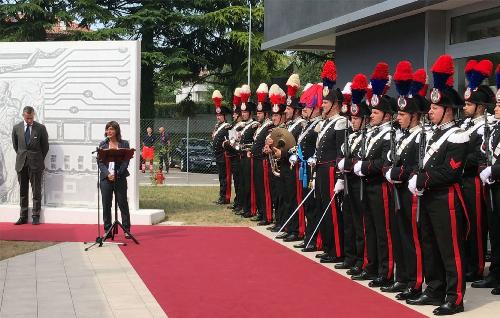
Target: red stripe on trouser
point(267, 190)
point(388, 229)
point(253, 208)
point(228, 177)
point(479, 227)
point(454, 237)
point(319, 242)
point(461, 198)
point(416, 243)
point(335, 220)
point(302, 220)
point(365, 248)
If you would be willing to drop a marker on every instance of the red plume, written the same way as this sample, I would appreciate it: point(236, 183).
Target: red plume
point(236, 100)
point(485, 67)
point(450, 81)
point(329, 71)
point(369, 94)
point(381, 71)
point(498, 68)
point(471, 65)
point(359, 82)
point(444, 64)
point(291, 90)
point(420, 76)
point(261, 97)
point(403, 71)
point(217, 101)
point(275, 99)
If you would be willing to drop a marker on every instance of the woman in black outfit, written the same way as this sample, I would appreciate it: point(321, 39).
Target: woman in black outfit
point(114, 177)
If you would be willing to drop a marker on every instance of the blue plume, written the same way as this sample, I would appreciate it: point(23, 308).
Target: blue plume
point(378, 86)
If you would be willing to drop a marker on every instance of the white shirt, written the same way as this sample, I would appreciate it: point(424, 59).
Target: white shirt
point(31, 127)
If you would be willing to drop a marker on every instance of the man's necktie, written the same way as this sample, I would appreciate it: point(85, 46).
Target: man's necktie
point(27, 135)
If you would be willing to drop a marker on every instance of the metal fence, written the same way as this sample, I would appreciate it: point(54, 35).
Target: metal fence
point(184, 156)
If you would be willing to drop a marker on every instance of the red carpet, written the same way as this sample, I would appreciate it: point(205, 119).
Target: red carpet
point(230, 272)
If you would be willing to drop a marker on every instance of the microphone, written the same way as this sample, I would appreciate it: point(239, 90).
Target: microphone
point(98, 147)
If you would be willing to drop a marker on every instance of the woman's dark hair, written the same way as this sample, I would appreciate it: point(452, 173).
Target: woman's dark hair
point(113, 124)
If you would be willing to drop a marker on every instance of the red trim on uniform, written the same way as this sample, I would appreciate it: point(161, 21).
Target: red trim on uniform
point(454, 238)
point(460, 197)
point(302, 217)
point(333, 206)
point(388, 229)
point(253, 206)
point(319, 242)
point(416, 243)
point(269, 207)
point(365, 248)
point(479, 228)
point(228, 177)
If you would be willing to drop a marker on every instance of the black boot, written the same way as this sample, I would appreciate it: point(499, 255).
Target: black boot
point(448, 308)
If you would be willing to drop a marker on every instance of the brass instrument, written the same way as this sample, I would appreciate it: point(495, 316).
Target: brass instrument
point(283, 140)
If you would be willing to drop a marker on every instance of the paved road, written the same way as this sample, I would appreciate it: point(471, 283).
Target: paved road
point(176, 177)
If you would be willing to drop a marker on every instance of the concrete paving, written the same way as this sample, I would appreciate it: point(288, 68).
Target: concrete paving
point(478, 302)
point(65, 281)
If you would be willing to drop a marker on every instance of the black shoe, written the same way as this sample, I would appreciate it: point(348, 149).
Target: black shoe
point(409, 293)
point(263, 222)
point(496, 291)
point(448, 308)
point(128, 236)
point(487, 282)
point(380, 282)
point(321, 255)
point(270, 228)
point(247, 215)
point(342, 265)
point(109, 236)
point(256, 218)
point(396, 287)
point(275, 229)
point(310, 248)
point(239, 212)
point(36, 220)
point(282, 235)
point(363, 276)
point(331, 259)
point(21, 220)
point(300, 245)
point(292, 238)
point(473, 277)
point(424, 299)
point(355, 270)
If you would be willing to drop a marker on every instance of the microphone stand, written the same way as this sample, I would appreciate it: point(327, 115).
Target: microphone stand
point(100, 241)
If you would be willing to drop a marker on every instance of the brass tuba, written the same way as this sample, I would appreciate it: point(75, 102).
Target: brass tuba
point(283, 140)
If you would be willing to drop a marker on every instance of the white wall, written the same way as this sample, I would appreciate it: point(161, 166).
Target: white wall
point(75, 88)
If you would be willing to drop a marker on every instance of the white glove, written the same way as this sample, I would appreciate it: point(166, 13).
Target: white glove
point(313, 184)
point(339, 186)
point(412, 186)
point(311, 161)
point(293, 159)
point(341, 165)
point(357, 169)
point(388, 176)
point(485, 175)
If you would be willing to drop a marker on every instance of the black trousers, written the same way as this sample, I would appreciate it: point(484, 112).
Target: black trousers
point(119, 187)
point(261, 179)
point(377, 200)
point(284, 197)
point(164, 159)
point(407, 242)
point(224, 172)
point(25, 177)
point(441, 222)
point(494, 229)
point(475, 246)
point(332, 225)
point(236, 172)
point(353, 214)
point(294, 192)
point(246, 179)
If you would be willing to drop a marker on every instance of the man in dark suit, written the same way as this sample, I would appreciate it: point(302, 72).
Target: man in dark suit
point(31, 143)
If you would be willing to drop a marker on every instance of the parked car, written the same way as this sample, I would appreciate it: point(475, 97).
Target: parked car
point(201, 155)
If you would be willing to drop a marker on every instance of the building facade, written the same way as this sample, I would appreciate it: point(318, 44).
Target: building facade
point(364, 32)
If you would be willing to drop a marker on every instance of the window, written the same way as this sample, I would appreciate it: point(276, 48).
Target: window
point(80, 163)
point(53, 161)
point(460, 66)
point(475, 26)
point(66, 163)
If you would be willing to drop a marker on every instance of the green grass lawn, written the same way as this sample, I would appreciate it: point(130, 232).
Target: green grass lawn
point(12, 248)
point(191, 205)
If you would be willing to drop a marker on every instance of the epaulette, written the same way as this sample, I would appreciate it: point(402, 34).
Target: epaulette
point(459, 137)
point(340, 125)
point(480, 131)
point(319, 126)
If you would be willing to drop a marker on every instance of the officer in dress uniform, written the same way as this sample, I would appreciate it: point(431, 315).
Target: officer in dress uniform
point(295, 123)
point(477, 99)
point(219, 135)
point(233, 154)
point(490, 176)
point(376, 195)
point(442, 212)
point(261, 167)
point(353, 210)
point(412, 104)
point(312, 98)
point(328, 151)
